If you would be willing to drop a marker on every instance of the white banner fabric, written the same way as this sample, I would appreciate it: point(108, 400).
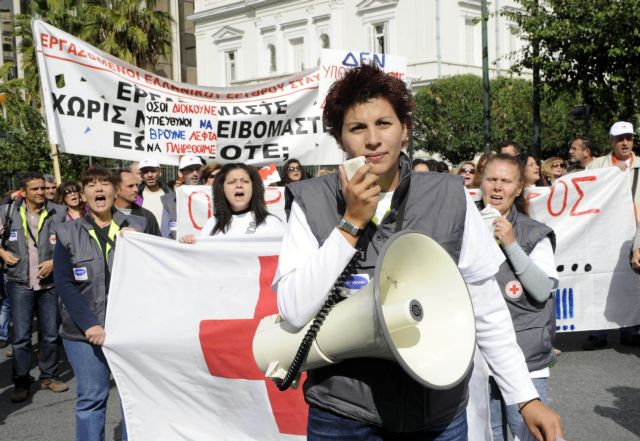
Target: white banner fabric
point(592, 215)
point(98, 105)
point(181, 318)
point(194, 205)
point(95, 104)
point(180, 326)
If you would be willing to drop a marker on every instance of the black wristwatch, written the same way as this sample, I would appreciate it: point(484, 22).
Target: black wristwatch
point(347, 226)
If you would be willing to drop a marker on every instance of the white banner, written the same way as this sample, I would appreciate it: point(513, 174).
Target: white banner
point(99, 105)
point(95, 104)
point(179, 341)
point(195, 206)
point(592, 215)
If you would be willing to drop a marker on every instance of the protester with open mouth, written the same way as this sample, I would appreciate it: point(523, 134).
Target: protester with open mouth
point(83, 257)
point(239, 207)
point(526, 278)
point(467, 170)
point(68, 194)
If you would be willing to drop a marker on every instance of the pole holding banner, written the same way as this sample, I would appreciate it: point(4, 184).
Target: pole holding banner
point(56, 163)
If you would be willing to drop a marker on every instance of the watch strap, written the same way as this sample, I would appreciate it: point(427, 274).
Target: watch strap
point(350, 228)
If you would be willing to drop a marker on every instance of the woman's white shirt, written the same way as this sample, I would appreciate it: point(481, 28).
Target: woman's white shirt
point(244, 223)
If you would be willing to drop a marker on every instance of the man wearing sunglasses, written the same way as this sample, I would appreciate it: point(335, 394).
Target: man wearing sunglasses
point(621, 139)
point(29, 228)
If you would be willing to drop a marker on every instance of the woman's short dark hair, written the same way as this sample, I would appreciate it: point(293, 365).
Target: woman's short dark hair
point(520, 202)
point(221, 208)
point(360, 85)
point(64, 188)
point(98, 174)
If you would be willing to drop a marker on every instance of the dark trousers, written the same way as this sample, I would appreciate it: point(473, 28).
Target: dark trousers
point(24, 302)
point(327, 426)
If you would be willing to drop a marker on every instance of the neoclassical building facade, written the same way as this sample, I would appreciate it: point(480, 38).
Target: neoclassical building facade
point(241, 42)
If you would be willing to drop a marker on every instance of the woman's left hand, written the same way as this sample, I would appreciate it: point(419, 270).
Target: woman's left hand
point(122, 230)
point(504, 231)
point(187, 238)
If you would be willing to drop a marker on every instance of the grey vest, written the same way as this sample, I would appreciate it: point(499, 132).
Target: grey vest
point(534, 323)
point(373, 390)
point(86, 255)
point(17, 242)
point(169, 203)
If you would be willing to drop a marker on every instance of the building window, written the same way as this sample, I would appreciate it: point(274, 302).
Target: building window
point(230, 65)
point(325, 43)
point(469, 31)
point(273, 66)
point(380, 38)
point(297, 53)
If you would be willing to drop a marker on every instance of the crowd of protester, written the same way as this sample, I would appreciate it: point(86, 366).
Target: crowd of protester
point(76, 225)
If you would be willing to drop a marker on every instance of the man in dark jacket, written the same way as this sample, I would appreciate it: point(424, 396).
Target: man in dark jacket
point(28, 255)
point(126, 195)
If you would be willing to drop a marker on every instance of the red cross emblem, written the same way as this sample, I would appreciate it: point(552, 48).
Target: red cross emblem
point(513, 289)
point(227, 346)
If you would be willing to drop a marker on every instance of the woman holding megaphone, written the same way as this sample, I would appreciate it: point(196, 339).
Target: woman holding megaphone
point(526, 279)
point(337, 222)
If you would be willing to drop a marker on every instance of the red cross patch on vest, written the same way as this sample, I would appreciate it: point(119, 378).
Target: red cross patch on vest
point(513, 289)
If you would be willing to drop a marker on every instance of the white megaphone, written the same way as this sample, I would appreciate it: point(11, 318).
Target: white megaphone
point(416, 311)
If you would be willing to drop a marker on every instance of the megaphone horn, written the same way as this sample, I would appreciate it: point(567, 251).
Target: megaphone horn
point(416, 311)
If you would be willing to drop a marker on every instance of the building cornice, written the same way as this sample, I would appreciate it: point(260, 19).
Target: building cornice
point(472, 4)
point(294, 23)
point(320, 18)
point(235, 8)
point(373, 5)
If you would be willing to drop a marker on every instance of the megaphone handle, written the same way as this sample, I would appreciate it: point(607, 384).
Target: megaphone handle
point(335, 296)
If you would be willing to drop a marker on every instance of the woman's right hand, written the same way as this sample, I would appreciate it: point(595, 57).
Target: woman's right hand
point(187, 238)
point(95, 335)
point(361, 195)
point(503, 231)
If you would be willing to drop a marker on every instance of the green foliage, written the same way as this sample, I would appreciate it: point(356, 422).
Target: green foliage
point(448, 118)
point(587, 47)
point(130, 30)
point(24, 144)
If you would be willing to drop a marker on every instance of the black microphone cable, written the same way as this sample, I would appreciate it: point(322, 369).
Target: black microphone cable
point(335, 297)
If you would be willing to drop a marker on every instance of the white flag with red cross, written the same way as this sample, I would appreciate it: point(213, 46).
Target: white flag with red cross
point(180, 326)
